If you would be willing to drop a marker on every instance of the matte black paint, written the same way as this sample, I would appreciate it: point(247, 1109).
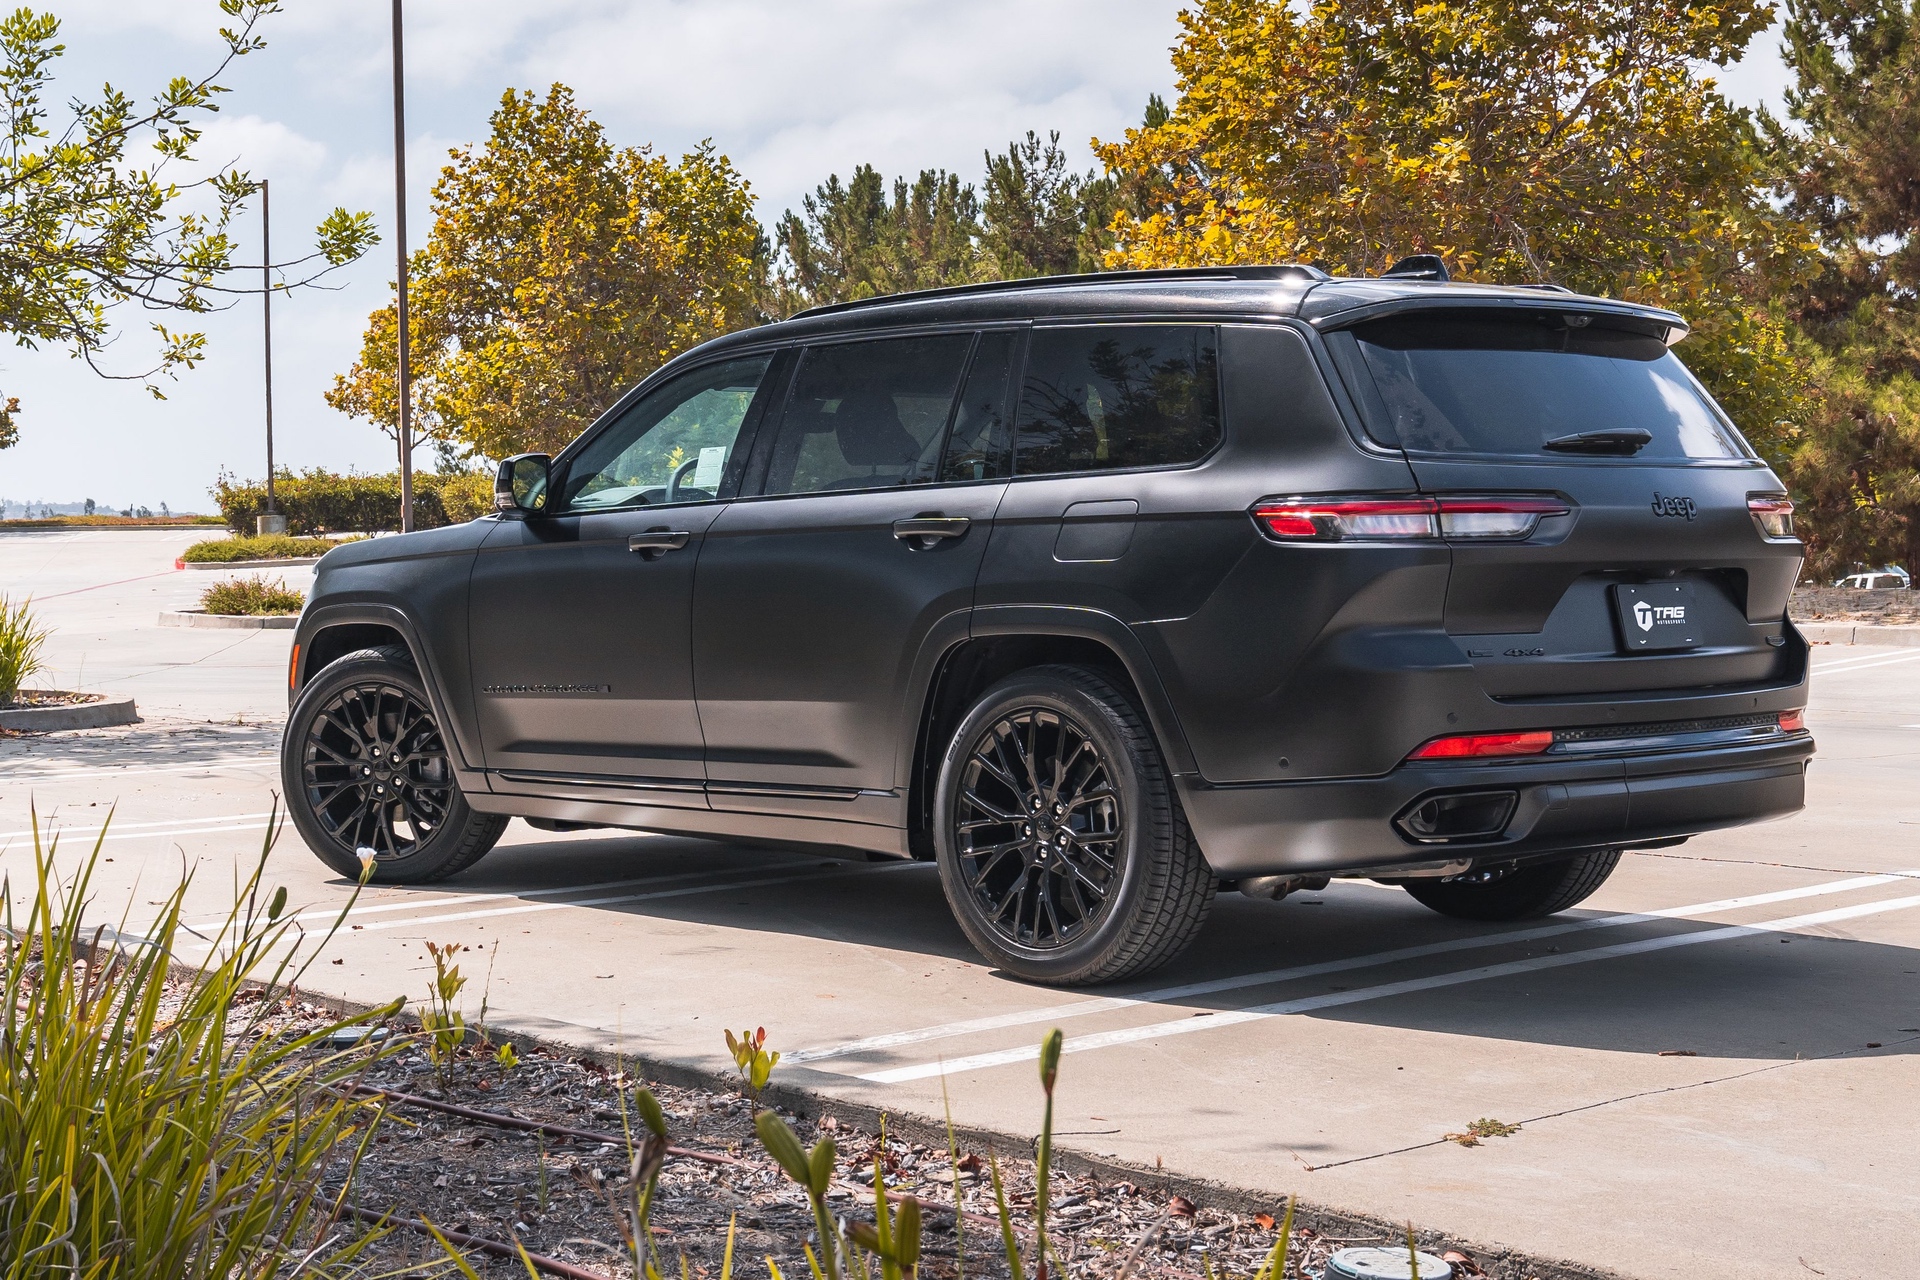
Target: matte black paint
point(774, 678)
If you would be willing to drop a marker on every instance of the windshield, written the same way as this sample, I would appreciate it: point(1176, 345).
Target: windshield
point(1449, 382)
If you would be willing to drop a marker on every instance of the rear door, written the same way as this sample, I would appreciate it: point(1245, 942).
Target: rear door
point(1658, 576)
point(816, 598)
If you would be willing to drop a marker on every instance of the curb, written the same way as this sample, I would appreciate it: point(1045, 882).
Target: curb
point(84, 715)
point(234, 621)
point(1859, 633)
point(210, 565)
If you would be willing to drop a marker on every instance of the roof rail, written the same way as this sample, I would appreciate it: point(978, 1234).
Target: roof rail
point(1281, 271)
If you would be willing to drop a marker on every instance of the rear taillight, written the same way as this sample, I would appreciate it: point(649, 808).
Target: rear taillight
point(1772, 515)
point(1793, 721)
point(1402, 519)
point(1473, 746)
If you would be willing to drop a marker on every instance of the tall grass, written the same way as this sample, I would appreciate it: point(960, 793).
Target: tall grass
point(251, 597)
point(20, 640)
point(165, 1127)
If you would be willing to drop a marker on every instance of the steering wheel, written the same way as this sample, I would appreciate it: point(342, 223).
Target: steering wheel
point(680, 473)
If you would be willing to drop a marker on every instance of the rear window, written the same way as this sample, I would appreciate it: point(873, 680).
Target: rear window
point(1103, 397)
point(1453, 383)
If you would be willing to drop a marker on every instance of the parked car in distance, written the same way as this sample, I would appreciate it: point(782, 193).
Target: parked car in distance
point(1104, 593)
point(1891, 578)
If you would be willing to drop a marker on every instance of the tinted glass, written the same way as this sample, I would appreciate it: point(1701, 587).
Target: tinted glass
point(1097, 397)
point(672, 446)
point(1453, 384)
point(980, 445)
point(867, 415)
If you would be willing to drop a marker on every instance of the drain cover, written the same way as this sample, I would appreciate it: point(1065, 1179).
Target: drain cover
point(1383, 1264)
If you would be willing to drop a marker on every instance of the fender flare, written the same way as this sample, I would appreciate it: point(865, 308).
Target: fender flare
point(327, 617)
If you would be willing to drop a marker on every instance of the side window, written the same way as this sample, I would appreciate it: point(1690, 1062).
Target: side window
point(672, 446)
point(867, 415)
point(1101, 397)
point(980, 444)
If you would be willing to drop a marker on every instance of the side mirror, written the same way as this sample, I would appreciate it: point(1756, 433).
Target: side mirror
point(521, 484)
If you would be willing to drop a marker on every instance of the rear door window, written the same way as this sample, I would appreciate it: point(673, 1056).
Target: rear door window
point(867, 415)
point(1106, 397)
point(1471, 383)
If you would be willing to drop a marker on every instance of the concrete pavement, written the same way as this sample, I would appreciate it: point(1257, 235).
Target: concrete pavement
point(1714, 1058)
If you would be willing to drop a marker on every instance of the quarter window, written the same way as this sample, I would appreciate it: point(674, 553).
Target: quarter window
point(867, 415)
point(983, 424)
point(672, 446)
point(1103, 397)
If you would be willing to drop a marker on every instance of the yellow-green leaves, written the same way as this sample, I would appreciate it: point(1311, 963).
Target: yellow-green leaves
point(781, 1144)
point(752, 1057)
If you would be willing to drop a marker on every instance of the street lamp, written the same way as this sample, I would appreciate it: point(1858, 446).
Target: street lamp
point(404, 374)
point(272, 522)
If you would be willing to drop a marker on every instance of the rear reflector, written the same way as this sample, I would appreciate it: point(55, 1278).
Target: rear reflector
point(1401, 519)
point(1477, 745)
point(1793, 721)
point(1773, 514)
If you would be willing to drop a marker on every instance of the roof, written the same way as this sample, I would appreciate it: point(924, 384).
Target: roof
point(1214, 293)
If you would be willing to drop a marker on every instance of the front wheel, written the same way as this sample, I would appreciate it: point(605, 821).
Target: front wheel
point(1517, 893)
point(365, 767)
point(1062, 847)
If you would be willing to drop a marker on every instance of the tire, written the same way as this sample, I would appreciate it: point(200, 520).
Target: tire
point(1118, 886)
point(1523, 893)
point(424, 829)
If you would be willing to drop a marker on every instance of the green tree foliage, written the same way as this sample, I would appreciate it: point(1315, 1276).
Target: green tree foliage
point(561, 270)
point(1524, 141)
point(860, 239)
point(94, 218)
point(1851, 169)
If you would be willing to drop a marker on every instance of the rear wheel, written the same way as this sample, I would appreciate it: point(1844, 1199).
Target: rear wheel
point(365, 766)
point(1517, 893)
point(1062, 847)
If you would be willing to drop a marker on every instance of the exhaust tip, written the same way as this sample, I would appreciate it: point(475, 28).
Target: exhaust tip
point(1469, 815)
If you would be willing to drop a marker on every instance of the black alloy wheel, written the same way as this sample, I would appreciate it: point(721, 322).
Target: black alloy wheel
point(366, 769)
point(1062, 847)
point(1038, 828)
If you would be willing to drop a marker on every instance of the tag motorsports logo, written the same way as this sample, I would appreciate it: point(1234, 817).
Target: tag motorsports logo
point(1673, 506)
point(1646, 615)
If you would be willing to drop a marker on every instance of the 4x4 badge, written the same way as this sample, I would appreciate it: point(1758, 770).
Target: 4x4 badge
point(1673, 506)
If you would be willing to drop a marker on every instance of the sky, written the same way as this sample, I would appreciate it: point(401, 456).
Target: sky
point(790, 90)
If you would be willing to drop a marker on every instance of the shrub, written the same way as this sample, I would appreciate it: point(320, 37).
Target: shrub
point(20, 641)
point(271, 547)
point(319, 501)
point(157, 1123)
point(251, 597)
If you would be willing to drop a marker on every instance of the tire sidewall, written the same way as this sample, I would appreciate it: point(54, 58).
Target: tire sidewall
point(365, 667)
point(1131, 774)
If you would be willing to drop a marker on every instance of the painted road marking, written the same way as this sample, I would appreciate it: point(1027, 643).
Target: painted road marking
point(1231, 1017)
point(128, 771)
point(531, 907)
point(50, 828)
point(1083, 1008)
point(1862, 663)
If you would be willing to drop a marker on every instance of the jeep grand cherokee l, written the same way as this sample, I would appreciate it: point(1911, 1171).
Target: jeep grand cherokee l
point(1101, 592)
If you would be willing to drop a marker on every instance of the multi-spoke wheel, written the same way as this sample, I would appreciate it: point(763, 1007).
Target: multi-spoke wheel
point(1062, 847)
point(365, 768)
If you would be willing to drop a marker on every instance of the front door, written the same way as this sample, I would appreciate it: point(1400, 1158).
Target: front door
point(816, 598)
point(581, 618)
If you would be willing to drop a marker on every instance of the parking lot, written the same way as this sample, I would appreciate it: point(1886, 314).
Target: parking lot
point(1712, 1061)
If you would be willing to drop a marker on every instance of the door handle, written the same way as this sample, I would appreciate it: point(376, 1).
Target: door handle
point(924, 532)
point(657, 542)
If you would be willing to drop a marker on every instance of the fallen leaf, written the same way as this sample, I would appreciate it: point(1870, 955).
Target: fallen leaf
point(1873, 1044)
point(1463, 1263)
point(1181, 1207)
point(1265, 1220)
point(340, 961)
point(1678, 1053)
point(1464, 1139)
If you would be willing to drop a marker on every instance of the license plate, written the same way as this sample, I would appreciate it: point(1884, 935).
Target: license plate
point(1656, 616)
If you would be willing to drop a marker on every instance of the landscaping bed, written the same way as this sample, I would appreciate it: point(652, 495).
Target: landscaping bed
point(272, 547)
point(1846, 604)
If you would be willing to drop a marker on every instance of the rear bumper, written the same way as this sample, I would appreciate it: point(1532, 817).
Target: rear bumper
point(1560, 804)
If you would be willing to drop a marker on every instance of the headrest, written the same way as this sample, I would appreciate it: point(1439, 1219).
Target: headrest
point(867, 427)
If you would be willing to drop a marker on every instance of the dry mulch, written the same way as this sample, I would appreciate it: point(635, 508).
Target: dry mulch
point(1846, 604)
point(26, 698)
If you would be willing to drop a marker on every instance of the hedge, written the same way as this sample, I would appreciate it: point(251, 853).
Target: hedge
point(319, 501)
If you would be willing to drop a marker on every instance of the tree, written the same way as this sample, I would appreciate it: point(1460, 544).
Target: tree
point(93, 218)
point(560, 270)
point(1524, 141)
point(1038, 218)
point(1852, 171)
point(853, 242)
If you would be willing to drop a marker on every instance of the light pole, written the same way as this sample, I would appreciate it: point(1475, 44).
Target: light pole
point(272, 522)
point(404, 373)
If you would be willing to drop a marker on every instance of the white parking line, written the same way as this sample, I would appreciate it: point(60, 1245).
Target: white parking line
point(1083, 1008)
point(116, 771)
point(1862, 663)
point(50, 827)
point(1205, 1021)
point(530, 908)
point(178, 831)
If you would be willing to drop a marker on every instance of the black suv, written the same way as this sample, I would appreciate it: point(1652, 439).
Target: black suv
point(1104, 593)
